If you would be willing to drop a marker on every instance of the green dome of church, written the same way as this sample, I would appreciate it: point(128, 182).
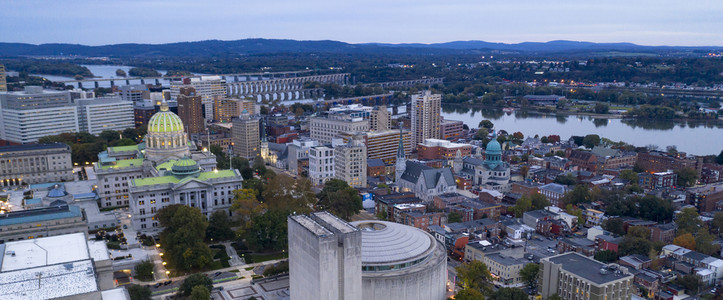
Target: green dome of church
point(165, 121)
point(493, 147)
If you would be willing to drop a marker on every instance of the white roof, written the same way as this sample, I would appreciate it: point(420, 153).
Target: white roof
point(44, 251)
point(98, 250)
point(387, 242)
point(118, 293)
point(49, 282)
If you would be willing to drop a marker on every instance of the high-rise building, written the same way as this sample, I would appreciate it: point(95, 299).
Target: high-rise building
point(321, 164)
point(142, 112)
point(574, 276)
point(325, 258)
point(350, 162)
point(382, 144)
point(299, 149)
point(98, 114)
point(425, 116)
point(35, 113)
point(451, 130)
point(225, 109)
point(328, 126)
point(134, 92)
point(3, 80)
point(208, 87)
point(189, 109)
point(379, 119)
point(245, 136)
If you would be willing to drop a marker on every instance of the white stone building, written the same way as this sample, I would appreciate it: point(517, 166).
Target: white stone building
point(321, 164)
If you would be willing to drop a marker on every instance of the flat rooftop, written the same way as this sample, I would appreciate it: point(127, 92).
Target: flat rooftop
point(40, 214)
point(124, 163)
point(337, 223)
point(44, 251)
point(32, 147)
point(586, 268)
point(311, 225)
point(173, 179)
point(49, 282)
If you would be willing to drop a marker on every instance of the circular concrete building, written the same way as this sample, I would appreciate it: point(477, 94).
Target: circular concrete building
point(401, 262)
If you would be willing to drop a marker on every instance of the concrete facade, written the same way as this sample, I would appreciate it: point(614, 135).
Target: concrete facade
point(98, 114)
point(425, 116)
point(245, 136)
point(37, 163)
point(350, 161)
point(574, 276)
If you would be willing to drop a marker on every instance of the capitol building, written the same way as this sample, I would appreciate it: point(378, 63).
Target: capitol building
point(165, 169)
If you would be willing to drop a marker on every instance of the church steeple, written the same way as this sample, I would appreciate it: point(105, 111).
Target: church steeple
point(401, 165)
point(400, 149)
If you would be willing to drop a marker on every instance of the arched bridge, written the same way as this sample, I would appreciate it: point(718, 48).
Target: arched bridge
point(283, 88)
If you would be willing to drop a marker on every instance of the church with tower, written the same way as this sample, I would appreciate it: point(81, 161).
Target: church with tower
point(490, 172)
point(424, 181)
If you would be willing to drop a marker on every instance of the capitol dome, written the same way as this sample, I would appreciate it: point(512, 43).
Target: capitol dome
point(185, 167)
point(166, 138)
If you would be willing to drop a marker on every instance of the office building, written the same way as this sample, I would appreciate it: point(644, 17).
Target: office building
point(350, 160)
point(451, 130)
point(35, 113)
point(189, 110)
point(245, 136)
point(325, 258)
point(383, 144)
point(321, 164)
point(433, 149)
point(59, 267)
point(96, 115)
point(35, 163)
point(57, 219)
point(3, 79)
point(574, 276)
point(329, 125)
point(425, 116)
point(134, 93)
point(379, 119)
point(297, 150)
point(225, 109)
point(184, 182)
point(332, 259)
point(142, 112)
point(208, 87)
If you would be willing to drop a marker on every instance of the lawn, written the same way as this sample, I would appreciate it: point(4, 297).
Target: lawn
point(257, 258)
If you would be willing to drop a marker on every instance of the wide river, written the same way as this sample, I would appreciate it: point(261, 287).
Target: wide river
point(694, 137)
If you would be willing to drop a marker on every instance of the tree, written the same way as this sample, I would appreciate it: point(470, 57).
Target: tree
point(144, 270)
point(591, 140)
point(339, 198)
point(614, 225)
point(109, 135)
point(219, 227)
point(481, 134)
point(685, 240)
point(579, 194)
point(704, 242)
point(245, 203)
point(539, 201)
point(629, 175)
point(524, 170)
point(634, 245)
point(686, 177)
point(601, 108)
point(567, 179)
point(606, 256)
point(486, 124)
point(259, 165)
point(555, 296)
point(469, 294)
point(194, 280)
point(688, 221)
point(139, 292)
point(184, 230)
point(200, 292)
point(509, 294)
point(474, 275)
point(690, 282)
point(267, 231)
point(639, 232)
point(719, 158)
point(529, 274)
point(524, 204)
point(120, 73)
point(717, 223)
point(454, 217)
point(286, 194)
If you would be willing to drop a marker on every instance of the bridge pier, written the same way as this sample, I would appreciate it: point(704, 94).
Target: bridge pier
point(112, 83)
point(158, 81)
point(143, 81)
point(80, 85)
point(128, 82)
point(96, 84)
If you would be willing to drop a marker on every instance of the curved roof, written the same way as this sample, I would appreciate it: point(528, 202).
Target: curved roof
point(185, 167)
point(57, 192)
point(387, 242)
point(165, 121)
point(493, 147)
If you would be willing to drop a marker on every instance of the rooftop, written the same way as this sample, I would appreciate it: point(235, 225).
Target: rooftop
point(31, 147)
point(44, 252)
point(586, 268)
point(386, 242)
point(311, 225)
point(49, 282)
point(335, 222)
point(173, 179)
point(123, 148)
point(124, 163)
point(40, 214)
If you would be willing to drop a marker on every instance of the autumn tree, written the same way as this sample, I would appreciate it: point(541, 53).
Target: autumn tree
point(474, 275)
point(685, 240)
point(286, 194)
point(184, 230)
point(246, 205)
point(529, 274)
point(340, 199)
point(688, 221)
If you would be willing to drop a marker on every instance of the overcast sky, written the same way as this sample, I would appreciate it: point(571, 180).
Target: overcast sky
point(647, 22)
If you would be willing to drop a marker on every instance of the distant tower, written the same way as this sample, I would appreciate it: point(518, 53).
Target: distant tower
point(401, 158)
point(264, 147)
point(458, 162)
point(425, 116)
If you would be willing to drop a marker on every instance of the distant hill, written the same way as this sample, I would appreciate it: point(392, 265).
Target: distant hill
point(262, 46)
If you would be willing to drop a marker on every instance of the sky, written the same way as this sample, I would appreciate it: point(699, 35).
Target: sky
point(645, 22)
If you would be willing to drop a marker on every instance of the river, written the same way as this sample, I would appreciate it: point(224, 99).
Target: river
point(101, 71)
point(694, 137)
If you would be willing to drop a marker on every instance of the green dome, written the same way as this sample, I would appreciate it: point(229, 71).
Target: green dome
point(165, 121)
point(493, 147)
point(185, 167)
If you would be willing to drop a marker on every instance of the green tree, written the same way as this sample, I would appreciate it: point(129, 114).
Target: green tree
point(259, 165)
point(481, 134)
point(704, 242)
point(182, 238)
point(486, 124)
point(286, 194)
point(614, 225)
point(579, 194)
point(690, 282)
point(601, 108)
point(144, 270)
point(529, 274)
point(219, 228)
point(539, 201)
point(634, 245)
point(555, 296)
point(719, 158)
point(591, 140)
point(686, 177)
point(139, 292)
point(454, 217)
point(267, 232)
point(474, 275)
point(200, 292)
point(524, 204)
point(509, 294)
point(606, 256)
point(194, 280)
point(340, 199)
point(469, 294)
point(688, 221)
point(629, 175)
point(717, 223)
point(245, 203)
